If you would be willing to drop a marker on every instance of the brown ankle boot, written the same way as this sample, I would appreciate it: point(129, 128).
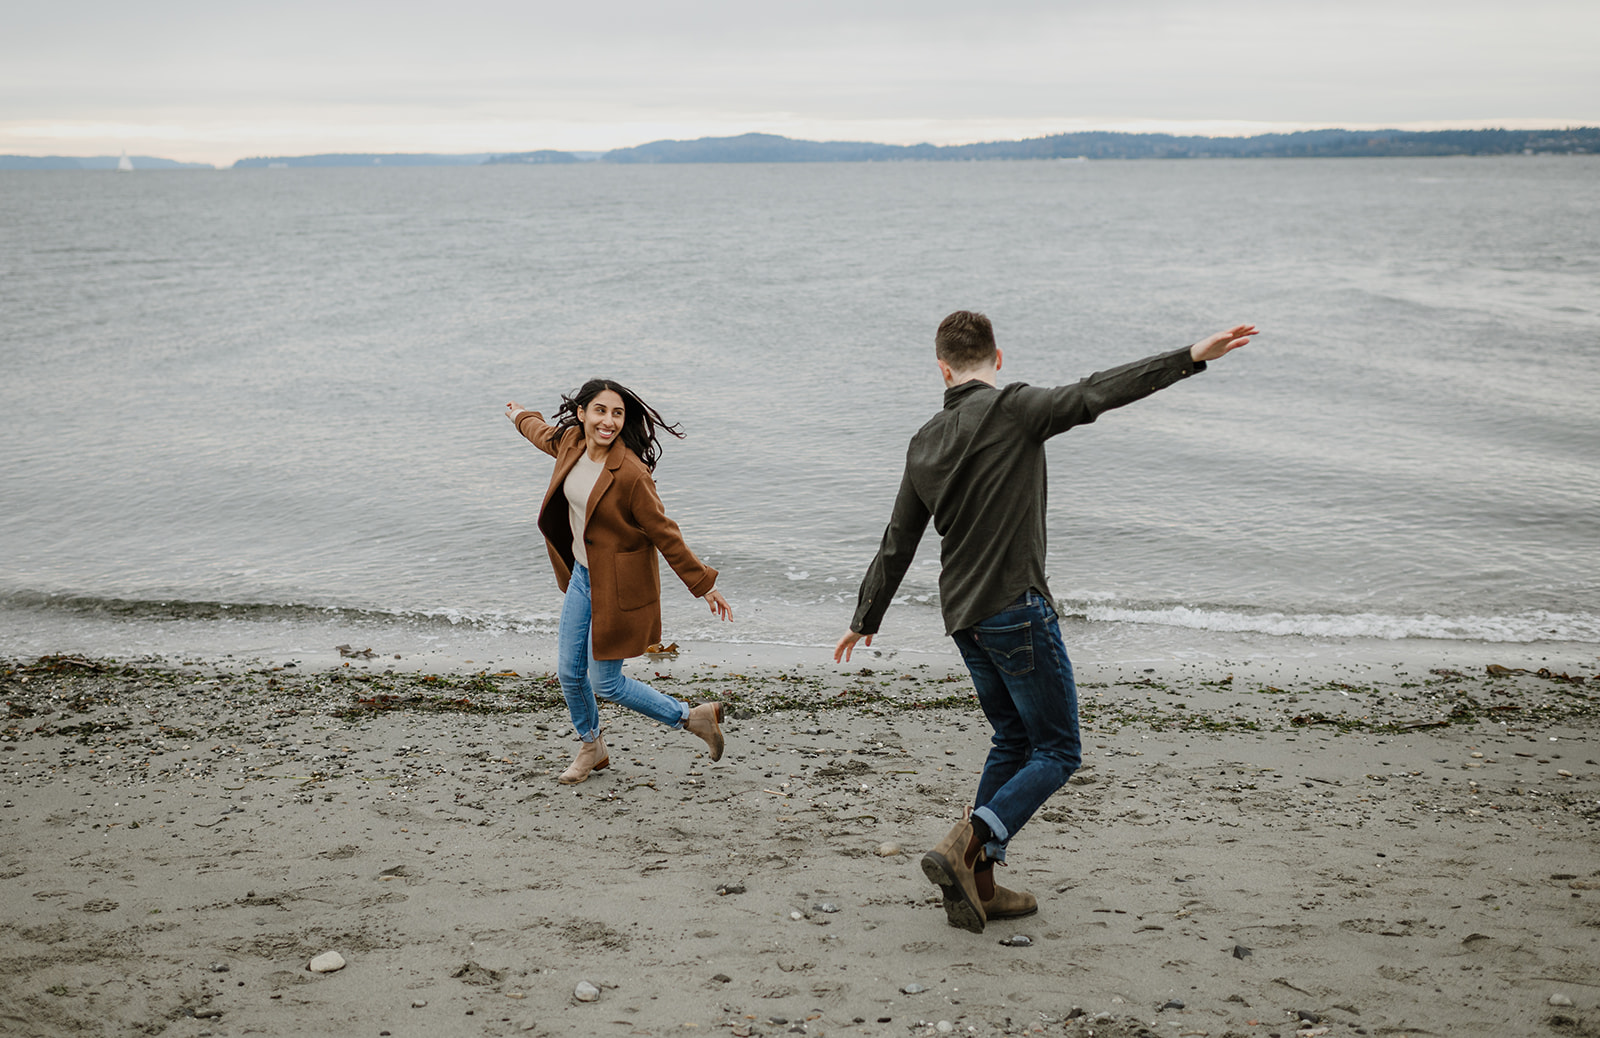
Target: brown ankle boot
point(705, 721)
point(949, 867)
point(1000, 903)
point(592, 756)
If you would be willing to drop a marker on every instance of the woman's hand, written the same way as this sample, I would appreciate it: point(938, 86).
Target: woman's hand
point(718, 604)
point(512, 410)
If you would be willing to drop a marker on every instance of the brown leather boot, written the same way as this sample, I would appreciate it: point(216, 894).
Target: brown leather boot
point(949, 867)
point(592, 756)
point(705, 721)
point(1000, 903)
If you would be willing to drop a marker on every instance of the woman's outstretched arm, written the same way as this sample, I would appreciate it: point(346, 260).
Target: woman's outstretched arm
point(532, 425)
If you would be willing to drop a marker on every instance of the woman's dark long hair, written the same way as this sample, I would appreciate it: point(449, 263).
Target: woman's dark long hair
point(640, 421)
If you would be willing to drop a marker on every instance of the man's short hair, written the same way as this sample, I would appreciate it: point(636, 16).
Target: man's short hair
point(965, 340)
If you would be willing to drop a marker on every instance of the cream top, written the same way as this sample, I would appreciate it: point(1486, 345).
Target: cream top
point(578, 486)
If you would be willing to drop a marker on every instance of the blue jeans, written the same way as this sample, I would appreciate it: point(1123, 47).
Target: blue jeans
point(1024, 683)
point(583, 677)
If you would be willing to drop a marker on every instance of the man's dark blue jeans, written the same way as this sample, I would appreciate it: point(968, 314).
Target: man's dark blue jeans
point(1024, 682)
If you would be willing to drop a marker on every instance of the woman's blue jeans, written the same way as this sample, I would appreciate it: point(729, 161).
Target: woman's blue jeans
point(1024, 683)
point(583, 677)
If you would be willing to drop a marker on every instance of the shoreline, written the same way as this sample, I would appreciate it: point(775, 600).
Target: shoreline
point(440, 646)
point(308, 635)
point(1399, 847)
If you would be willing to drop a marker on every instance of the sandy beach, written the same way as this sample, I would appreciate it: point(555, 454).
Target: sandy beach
point(1406, 848)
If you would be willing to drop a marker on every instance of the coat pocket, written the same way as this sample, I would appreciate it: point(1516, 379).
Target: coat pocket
point(638, 579)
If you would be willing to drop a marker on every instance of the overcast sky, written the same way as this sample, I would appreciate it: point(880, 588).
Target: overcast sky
point(213, 81)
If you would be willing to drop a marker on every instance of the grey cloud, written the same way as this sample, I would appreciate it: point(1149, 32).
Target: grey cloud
point(1360, 61)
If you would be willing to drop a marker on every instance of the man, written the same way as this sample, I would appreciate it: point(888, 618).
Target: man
point(977, 469)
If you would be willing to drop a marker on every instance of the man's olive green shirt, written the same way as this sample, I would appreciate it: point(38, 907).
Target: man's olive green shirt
point(977, 469)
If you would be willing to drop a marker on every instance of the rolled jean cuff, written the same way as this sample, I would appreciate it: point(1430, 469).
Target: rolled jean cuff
point(996, 847)
point(685, 718)
point(589, 736)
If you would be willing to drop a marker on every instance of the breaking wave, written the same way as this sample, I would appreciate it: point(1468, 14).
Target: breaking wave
point(1535, 626)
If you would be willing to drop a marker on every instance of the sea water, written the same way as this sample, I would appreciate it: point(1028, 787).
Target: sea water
point(239, 407)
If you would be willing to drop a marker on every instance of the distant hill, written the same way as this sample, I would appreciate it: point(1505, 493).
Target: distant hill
point(545, 157)
point(766, 147)
point(366, 159)
point(762, 147)
point(97, 162)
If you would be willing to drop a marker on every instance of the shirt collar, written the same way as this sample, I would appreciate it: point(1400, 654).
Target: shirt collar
point(957, 393)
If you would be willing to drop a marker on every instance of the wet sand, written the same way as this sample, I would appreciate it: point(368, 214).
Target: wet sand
point(1250, 849)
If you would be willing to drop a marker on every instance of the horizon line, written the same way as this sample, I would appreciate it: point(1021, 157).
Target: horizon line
point(1355, 128)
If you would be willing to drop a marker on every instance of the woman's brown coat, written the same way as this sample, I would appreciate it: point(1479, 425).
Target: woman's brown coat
point(624, 527)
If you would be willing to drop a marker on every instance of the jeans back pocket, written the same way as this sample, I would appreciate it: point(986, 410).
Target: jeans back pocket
point(1010, 648)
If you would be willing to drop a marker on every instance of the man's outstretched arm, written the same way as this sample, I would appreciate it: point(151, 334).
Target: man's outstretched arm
point(1048, 411)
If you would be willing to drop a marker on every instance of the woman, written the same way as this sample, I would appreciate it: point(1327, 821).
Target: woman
point(603, 524)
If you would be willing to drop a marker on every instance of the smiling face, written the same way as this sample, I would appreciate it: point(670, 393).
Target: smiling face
point(602, 420)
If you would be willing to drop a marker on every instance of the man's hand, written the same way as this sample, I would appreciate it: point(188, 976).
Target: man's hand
point(719, 605)
point(1222, 343)
point(841, 652)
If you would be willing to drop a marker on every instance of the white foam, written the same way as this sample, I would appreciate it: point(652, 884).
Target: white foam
point(1527, 627)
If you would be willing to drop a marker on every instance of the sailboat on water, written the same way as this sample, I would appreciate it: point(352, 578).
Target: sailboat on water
point(124, 165)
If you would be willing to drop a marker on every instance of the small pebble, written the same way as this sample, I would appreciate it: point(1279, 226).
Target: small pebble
point(913, 989)
point(1018, 941)
point(585, 992)
point(1240, 951)
point(1173, 1003)
point(419, 1003)
point(218, 967)
point(888, 850)
point(730, 888)
point(944, 1027)
point(797, 915)
point(327, 962)
point(1558, 999)
point(825, 906)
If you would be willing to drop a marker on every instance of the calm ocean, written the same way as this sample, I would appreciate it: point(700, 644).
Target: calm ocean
point(238, 407)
